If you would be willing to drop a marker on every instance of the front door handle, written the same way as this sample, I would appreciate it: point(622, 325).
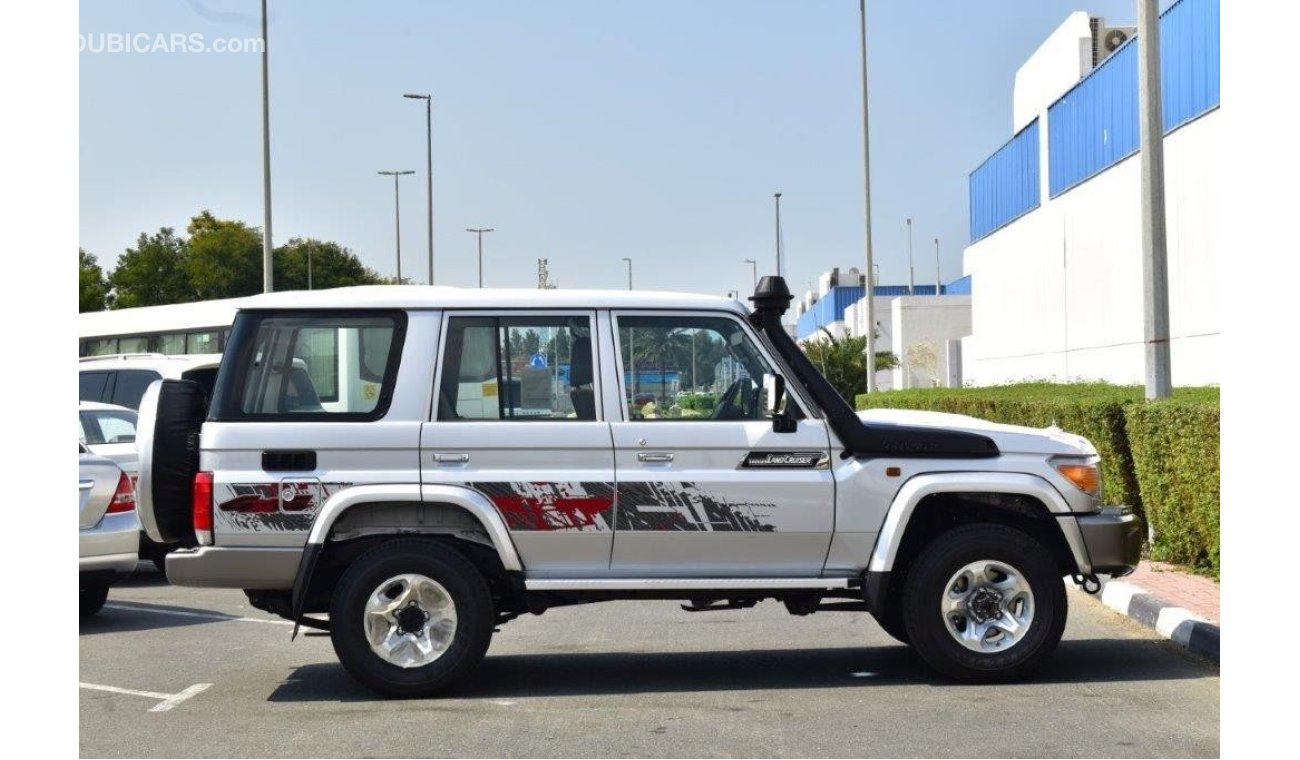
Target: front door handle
point(654, 457)
point(451, 458)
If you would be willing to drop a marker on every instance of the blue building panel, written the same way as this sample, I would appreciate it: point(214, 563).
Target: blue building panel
point(1006, 185)
point(960, 287)
point(831, 307)
point(1095, 125)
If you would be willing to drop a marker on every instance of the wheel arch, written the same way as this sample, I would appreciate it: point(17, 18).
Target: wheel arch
point(368, 511)
point(928, 505)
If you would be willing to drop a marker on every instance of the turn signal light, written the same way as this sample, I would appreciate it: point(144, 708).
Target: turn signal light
point(202, 501)
point(123, 497)
point(1085, 477)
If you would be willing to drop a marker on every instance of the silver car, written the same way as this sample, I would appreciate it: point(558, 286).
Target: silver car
point(109, 529)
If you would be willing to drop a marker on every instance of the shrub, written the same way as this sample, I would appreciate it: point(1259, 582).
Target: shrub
point(1175, 446)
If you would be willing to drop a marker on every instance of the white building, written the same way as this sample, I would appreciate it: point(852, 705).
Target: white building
point(1055, 261)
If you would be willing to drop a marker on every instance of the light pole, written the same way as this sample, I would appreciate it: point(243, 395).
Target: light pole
point(309, 247)
point(777, 196)
point(753, 265)
point(911, 271)
point(938, 271)
point(1155, 265)
point(866, 216)
point(479, 231)
point(268, 277)
point(629, 272)
point(397, 214)
point(428, 138)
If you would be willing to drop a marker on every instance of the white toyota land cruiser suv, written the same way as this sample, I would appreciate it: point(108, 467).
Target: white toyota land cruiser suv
point(411, 467)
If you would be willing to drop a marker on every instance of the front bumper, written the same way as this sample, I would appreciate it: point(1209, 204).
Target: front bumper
point(1113, 538)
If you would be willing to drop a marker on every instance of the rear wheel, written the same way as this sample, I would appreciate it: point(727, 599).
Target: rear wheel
point(93, 597)
point(984, 603)
point(411, 618)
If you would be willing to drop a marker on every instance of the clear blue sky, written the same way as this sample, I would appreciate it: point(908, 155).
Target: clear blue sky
point(583, 131)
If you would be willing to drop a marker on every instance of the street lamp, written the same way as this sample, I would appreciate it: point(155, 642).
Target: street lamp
point(397, 214)
point(777, 196)
point(428, 138)
point(911, 272)
point(479, 231)
point(268, 279)
point(869, 303)
point(754, 266)
point(629, 272)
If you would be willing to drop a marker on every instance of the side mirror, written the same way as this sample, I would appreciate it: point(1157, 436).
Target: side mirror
point(773, 401)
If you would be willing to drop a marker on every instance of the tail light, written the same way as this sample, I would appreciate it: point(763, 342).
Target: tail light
point(203, 507)
point(123, 497)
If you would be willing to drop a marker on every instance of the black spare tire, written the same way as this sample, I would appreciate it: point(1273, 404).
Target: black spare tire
point(171, 416)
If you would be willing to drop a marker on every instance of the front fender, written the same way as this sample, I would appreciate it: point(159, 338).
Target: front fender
point(921, 486)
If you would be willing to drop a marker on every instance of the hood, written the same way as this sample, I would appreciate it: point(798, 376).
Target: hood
point(1010, 439)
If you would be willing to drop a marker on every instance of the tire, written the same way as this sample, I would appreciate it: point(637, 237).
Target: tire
point(1023, 584)
point(891, 620)
point(377, 578)
point(93, 598)
point(168, 442)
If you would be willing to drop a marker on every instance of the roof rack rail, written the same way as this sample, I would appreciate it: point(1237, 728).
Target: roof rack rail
point(145, 355)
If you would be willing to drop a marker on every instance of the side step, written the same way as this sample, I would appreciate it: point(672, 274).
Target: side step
point(684, 584)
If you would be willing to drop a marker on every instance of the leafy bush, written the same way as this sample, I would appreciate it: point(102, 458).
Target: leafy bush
point(699, 402)
point(1162, 458)
point(1175, 448)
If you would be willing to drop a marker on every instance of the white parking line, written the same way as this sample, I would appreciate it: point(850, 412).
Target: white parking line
point(201, 615)
point(167, 701)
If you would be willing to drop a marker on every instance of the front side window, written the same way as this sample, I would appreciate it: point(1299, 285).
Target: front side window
point(517, 368)
point(306, 366)
point(690, 368)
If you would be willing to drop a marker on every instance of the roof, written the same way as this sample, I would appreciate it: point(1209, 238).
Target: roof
point(155, 319)
point(439, 297)
point(150, 361)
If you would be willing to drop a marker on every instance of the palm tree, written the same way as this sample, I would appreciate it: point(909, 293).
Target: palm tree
point(663, 346)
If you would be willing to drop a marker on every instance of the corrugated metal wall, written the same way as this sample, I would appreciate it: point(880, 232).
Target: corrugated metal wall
point(831, 307)
point(1095, 124)
point(1006, 185)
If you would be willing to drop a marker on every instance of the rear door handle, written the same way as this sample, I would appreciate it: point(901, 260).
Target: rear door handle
point(654, 457)
point(451, 458)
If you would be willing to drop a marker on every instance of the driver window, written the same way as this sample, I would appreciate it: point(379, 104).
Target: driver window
point(689, 368)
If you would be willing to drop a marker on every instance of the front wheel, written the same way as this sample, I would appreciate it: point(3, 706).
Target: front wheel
point(411, 618)
point(984, 603)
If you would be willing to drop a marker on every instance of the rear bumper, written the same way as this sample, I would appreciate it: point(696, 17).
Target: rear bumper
point(263, 568)
point(1113, 538)
point(111, 545)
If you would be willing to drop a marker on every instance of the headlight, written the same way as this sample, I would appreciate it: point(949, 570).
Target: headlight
point(1085, 476)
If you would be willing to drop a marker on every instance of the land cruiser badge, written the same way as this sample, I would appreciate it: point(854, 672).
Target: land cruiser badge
point(783, 460)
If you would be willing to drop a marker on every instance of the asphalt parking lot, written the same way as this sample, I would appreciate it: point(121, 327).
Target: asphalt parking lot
point(169, 671)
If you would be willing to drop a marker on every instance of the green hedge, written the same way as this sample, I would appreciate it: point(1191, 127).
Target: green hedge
point(1175, 447)
point(1136, 442)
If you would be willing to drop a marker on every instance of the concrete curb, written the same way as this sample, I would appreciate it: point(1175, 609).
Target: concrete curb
point(1191, 632)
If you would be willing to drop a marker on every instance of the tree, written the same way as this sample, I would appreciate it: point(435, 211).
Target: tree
point(225, 258)
point(154, 272)
point(332, 266)
point(663, 347)
point(844, 362)
point(94, 288)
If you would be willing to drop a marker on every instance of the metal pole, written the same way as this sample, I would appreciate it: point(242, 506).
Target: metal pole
point(1155, 268)
point(479, 231)
point(629, 272)
point(397, 215)
point(753, 265)
point(309, 266)
point(428, 136)
point(777, 196)
point(268, 264)
point(869, 295)
point(938, 272)
point(911, 271)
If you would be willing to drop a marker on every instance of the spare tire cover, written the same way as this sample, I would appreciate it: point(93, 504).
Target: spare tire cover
point(167, 436)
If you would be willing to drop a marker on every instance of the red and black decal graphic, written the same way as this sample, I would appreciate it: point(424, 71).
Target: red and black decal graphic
point(685, 506)
point(268, 507)
point(552, 506)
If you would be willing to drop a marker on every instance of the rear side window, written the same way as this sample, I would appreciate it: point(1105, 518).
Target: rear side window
point(92, 386)
point(309, 366)
point(131, 385)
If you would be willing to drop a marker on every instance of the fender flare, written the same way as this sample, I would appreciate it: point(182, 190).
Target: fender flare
point(917, 488)
point(468, 499)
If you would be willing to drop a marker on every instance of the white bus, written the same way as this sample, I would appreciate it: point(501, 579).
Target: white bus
point(187, 328)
